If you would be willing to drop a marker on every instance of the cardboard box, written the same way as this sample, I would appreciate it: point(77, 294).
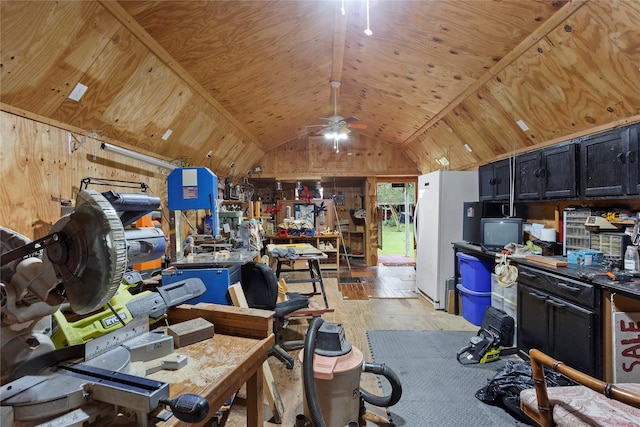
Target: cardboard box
point(626, 368)
point(585, 257)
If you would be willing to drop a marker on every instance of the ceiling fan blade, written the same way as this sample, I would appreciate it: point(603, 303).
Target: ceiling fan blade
point(351, 119)
point(357, 126)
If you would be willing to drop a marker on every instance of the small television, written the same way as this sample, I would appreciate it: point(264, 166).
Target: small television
point(498, 232)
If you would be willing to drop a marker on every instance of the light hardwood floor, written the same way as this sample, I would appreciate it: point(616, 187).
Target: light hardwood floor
point(357, 316)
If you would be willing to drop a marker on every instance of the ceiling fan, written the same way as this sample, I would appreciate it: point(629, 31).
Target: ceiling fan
point(337, 127)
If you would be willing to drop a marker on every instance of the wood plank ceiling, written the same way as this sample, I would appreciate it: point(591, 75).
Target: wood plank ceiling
point(242, 78)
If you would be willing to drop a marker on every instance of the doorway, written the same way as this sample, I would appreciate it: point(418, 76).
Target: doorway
point(396, 202)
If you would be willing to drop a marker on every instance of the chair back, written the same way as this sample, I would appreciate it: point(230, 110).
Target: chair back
point(260, 285)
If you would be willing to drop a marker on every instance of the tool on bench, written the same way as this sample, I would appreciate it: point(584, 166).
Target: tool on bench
point(81, 263)
point(495, 332)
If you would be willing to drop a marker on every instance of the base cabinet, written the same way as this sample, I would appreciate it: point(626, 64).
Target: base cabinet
point(560, 317)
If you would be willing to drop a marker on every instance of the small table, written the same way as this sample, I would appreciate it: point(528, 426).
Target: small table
point(311, 254)
point(226, 363)
point(219, 366)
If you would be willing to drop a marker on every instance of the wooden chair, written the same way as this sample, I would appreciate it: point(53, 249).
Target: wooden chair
point(592, 402)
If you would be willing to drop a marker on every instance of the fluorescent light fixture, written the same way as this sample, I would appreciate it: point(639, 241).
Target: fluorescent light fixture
point(78, 91)
point(522, 125)
point(167, 134)
point(466, 147)
point(137, 156)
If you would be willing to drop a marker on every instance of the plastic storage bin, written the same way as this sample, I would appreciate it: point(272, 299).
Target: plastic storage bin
point(510, 293)
point(474, 304)
point(495, 286)
point(475, 274)
point(497, 301)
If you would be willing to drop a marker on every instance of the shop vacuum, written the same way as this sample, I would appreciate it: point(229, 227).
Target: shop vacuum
point(331, 369)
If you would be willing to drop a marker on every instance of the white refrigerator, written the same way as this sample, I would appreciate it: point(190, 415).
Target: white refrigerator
point(437, 224)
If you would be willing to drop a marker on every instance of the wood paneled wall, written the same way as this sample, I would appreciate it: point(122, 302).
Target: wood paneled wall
point(313, 156)
point(37, 171)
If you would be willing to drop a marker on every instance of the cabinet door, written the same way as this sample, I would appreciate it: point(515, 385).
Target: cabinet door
point(603, 170)
point(503, 177)
point(528, 181)
point(486, 182)
point(632, 158)
point(572, 336)
point(532, 319)
point(557, 171)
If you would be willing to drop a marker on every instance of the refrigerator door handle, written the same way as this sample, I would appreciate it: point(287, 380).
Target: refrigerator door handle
point(416, 218)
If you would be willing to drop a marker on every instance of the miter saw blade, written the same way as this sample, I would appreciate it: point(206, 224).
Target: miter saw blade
point(91, 256)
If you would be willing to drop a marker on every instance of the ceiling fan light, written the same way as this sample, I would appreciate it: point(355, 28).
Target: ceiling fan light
point(342, 136)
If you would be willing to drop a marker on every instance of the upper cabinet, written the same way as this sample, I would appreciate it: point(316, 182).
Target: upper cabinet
point(610, 164)
point(633, 159)
point(598, 166)
point(547, 173)
point(494, 180)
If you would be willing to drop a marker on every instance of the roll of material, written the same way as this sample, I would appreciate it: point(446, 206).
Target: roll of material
point(548, 234)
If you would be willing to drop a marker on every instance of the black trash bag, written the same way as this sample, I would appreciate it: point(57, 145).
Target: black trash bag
point(505, 387)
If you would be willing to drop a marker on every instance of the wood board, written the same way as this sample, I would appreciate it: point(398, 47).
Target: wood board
point(548, 261)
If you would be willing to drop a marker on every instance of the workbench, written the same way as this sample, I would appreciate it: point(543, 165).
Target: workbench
point(304, 252)
point(233, 357)
point(327, 243)
point(219, 366)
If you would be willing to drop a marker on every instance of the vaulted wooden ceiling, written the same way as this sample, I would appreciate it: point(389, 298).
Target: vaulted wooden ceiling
point(243, 78)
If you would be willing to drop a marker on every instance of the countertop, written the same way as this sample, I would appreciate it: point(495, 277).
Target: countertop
point(595, 274)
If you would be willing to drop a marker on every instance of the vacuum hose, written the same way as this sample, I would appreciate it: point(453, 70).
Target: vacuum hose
point(317, 420)
point(394, 381)
point(315, 412)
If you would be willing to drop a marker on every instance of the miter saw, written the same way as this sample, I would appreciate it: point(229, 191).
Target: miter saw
point(81, 263)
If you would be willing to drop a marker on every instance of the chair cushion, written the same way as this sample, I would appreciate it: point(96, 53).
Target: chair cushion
point(581, 406)
point(260, 285)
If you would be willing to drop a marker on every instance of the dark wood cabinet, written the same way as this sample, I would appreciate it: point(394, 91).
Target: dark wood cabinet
point(633, 159)
point(610, 163)
point(494, 180)
point(561, 317)
point(547, 173)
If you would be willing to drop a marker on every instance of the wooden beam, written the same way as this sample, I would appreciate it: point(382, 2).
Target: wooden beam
point(549, 25)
